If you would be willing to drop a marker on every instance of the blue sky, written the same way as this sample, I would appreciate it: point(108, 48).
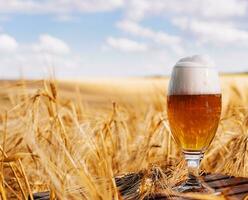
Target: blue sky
point(87, 38)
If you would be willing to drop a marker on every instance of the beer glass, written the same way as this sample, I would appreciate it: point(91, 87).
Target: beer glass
point(194, 108)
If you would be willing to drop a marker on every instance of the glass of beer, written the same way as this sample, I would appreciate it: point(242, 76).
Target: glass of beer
point(194, 108)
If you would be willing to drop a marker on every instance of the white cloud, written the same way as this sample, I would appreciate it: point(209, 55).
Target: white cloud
point(50, 44)
point(35, 59)
point(126, 45)
point(7, 43)
point(214, 32)
point(58, 6)
point(222, 8)
point(137, 10)
point(159, 37)
point(134, 9)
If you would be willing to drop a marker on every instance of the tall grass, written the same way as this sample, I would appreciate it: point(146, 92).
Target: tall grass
point(74, 149)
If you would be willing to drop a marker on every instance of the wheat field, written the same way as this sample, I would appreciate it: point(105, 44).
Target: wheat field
point(73, 137)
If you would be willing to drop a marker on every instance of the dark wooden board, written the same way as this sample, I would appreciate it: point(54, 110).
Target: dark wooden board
point(234, 188)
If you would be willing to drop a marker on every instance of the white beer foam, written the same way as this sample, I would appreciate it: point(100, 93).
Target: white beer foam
point(194, 75)
point(195, 61)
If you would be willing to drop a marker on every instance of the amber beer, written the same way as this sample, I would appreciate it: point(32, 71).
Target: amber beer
point(194, 119)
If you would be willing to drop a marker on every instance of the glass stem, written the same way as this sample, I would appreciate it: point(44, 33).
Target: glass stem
point(193, 163)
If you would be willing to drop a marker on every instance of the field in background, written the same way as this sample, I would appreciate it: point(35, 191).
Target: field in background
point(73, 137)
point(103, 92)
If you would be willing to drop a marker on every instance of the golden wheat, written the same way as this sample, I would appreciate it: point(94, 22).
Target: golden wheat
point(73, 140)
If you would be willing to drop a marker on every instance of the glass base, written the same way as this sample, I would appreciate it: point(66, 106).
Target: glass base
point(193, 185)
